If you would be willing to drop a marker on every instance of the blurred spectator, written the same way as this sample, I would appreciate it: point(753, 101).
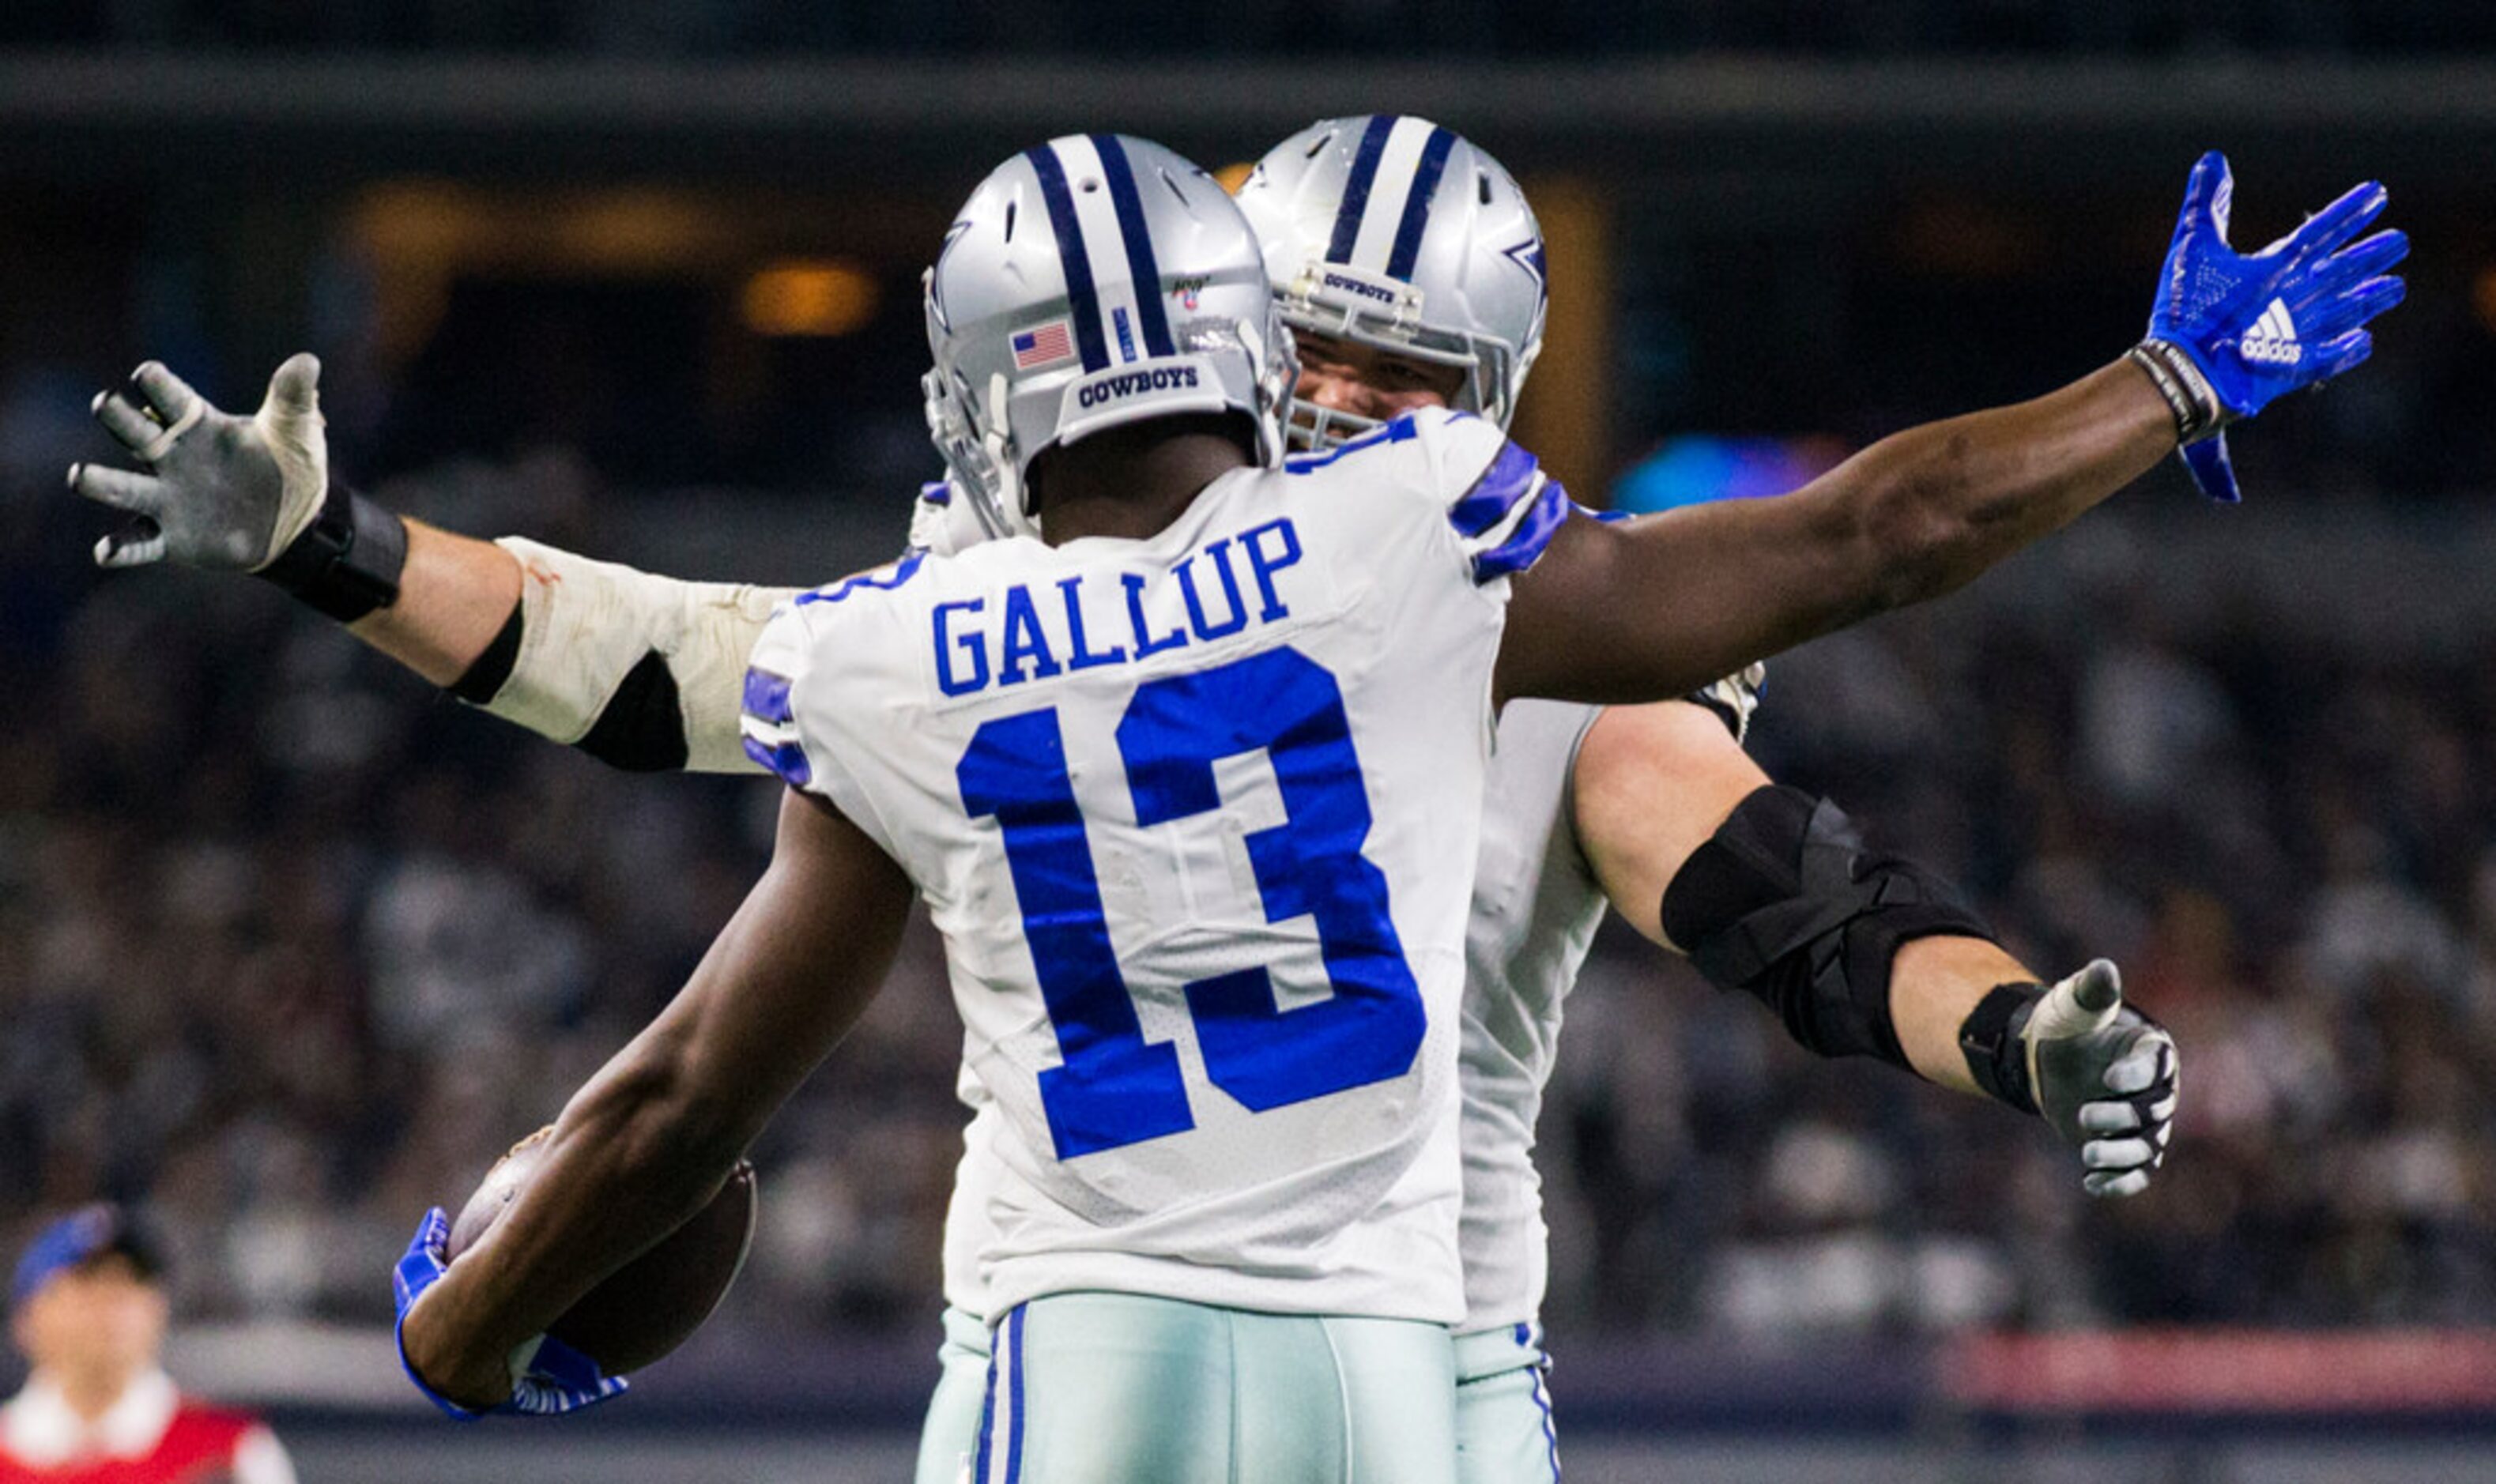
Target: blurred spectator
point(88, 1309)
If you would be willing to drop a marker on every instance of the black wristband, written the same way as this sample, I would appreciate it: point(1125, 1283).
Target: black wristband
point(347, 561)
point(1990, 1041)
point(2189, 396)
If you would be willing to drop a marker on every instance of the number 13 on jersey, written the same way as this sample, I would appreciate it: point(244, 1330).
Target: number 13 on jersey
point(1114, 1088)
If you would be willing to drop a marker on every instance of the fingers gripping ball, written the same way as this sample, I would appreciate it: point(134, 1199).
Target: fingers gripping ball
point(548, 1378)
point(652, 1304)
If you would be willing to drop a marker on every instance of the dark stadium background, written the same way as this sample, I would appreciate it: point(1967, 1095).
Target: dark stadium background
point(290, 947)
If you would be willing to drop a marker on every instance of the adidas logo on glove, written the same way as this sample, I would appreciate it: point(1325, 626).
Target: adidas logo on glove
point(2272, 341)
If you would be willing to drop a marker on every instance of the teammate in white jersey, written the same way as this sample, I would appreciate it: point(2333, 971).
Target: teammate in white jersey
point(1544, 948)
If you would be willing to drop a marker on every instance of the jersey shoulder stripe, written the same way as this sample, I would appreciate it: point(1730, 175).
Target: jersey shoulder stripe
point(1511, 477)
point(1506, 507)
point(784, 668)
point(883, 578)
point(770, 728)
point(1532, 531)
point(1509, 509)
point(768, 713)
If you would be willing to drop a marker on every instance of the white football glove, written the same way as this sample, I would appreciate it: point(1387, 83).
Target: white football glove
point(220, 491)
point(2104, 1075)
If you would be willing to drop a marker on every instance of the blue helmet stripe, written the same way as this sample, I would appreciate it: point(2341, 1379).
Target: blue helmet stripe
point(1355, 188)
point(1082, 300)
point(1416, 206)
point(1149, 314)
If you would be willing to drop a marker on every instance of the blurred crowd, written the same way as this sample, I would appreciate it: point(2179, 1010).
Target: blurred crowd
point(2287, 844)
point(291, 948)
point(1445, 27)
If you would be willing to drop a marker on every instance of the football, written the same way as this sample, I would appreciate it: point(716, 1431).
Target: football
point(650, 1305)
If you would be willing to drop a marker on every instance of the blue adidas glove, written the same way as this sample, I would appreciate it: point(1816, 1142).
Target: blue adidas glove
point(548, 1377)
point(2232, 330)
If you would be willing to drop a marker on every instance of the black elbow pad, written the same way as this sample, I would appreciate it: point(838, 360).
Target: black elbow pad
point(1787, 904)
point(642, 728)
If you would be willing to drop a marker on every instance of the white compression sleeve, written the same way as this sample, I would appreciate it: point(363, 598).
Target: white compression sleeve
point(584, 625)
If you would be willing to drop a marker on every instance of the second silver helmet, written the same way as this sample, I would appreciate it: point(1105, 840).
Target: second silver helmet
point(1400, 235)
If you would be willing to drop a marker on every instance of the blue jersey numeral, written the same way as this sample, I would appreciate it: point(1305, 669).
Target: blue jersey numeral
point(1114, 1088)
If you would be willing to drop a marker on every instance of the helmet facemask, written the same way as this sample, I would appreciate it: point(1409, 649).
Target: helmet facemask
point(1397, 236)
point(1488, 389)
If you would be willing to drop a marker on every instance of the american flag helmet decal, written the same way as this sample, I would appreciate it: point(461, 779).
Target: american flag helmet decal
point(1043, 345)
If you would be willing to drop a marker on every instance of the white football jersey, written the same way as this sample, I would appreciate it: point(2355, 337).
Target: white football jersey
point(1535, 910)
point(1536, 906)
point(1196, 816)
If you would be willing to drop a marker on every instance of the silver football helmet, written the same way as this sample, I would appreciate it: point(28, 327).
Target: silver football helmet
point(1091, 282)
point(1400, 234)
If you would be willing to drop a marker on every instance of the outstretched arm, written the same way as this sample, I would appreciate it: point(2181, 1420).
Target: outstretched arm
point(648, 1141)
point(1838, 949)
point(1631, 610)
point(1644, 609)
point(1653, 783)
point(639, 670)
point(456, 595)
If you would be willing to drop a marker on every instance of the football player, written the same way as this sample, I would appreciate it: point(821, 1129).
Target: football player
point(1895, 903)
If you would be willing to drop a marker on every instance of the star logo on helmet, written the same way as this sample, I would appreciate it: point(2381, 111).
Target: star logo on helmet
point(1528, 255)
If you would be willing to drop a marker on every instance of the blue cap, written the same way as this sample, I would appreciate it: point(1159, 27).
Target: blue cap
point(81, 1237)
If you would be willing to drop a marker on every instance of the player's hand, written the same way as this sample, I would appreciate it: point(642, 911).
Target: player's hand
point(548, 1378)
point(943, 520)
point(2104, 1074)
point(2260, 325)
point(217, 490)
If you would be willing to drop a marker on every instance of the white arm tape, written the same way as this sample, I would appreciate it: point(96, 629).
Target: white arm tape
point(584, 625)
